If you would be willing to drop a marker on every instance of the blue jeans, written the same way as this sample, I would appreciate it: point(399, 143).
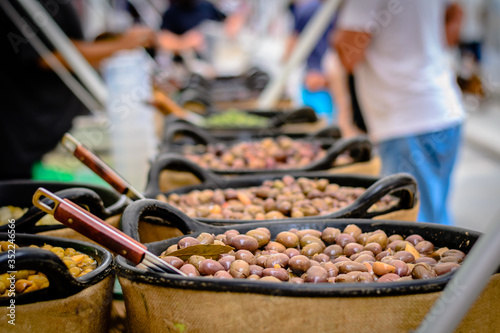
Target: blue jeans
point(430, 159)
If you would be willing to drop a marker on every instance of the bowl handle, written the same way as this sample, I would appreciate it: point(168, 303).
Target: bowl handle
point(359, 146)
point(400, 182)
point(173, 130)
point(173, 161)
point(81, 196)
point(165, 214)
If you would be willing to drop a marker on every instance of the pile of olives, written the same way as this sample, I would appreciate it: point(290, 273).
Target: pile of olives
point(274, 199)
point(234, 118)
point(312, 256)
point(280, 153)
point(8, 213)
point(78, 265)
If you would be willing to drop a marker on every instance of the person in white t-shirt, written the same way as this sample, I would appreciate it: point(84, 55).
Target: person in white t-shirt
point(406, 89)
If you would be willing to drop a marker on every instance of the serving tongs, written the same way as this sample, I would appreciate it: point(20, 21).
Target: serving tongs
point(99, 167)
point(167, 106)
point(89, 225)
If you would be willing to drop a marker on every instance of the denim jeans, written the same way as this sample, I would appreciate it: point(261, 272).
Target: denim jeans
point(430, 159)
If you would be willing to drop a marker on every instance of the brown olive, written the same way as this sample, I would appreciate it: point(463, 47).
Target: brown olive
point(195, 261)
point(347, 278)
point(315, 263)
point(365, 277)
point(239, 269)
point(364, 258)
point(344, 239)
point(227, 261)
point(446, 267)
point(299, 264)
point(424, 247)
point(243, 242)
point(308, 232)
point(320, 257)
point(392, 245)
point(269, 279)
point(256, 270)
point(279, 273)
point(316, 274)
point(223, 275)
point(328, 235)
point(210, 267)
point(280, 259)
point(284, 207)
point(205, 238)
point(356, 255)
point(454, 253)
point(230, 234)
point(189, 270)
point(261, 260)
point(402, 268)
point(454, 259)
point(401, 246)
point(296, 280)
point(291, 252)
point(340, 258)
point(351, 266)
point(261, 236)
point(352, 248)
point(187, 241)
point(394, 237)
point(352, 230)
point(423, 271)
point(414, 239)
point(174, 261)
point(405, 256)
point(244, 255)
point(374, 248)
point(379, 237)
point(333, 251)
point(275, 246)
point(438, 253)
point(361, 239)
point(331, 269)
point(311, 249)
point(170, 249)
point(431, 261)
point(288, 239)
point(304, 241)
point(388, 259)
point(390, 277)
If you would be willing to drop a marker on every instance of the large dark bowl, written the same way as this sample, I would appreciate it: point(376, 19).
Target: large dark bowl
point(452, 237)
point(179, 133)
point(403, 186)
point(62, 284)
point(101, 201)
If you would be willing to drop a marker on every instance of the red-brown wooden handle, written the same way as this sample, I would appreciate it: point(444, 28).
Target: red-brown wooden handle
point(94, 163)
point(89, 225)
point(101, 169)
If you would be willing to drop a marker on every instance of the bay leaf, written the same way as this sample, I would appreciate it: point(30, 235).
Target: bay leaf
point(209, 251)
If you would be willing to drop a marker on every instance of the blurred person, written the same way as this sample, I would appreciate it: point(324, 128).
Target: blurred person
point(410, 100)
point(472, 34)
point(38, 108)
point(180, 22)
point(314, 89)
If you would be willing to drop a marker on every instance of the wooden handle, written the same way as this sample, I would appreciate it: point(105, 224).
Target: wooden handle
point(76, 218)
point(167, 105)
point(99, 167)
